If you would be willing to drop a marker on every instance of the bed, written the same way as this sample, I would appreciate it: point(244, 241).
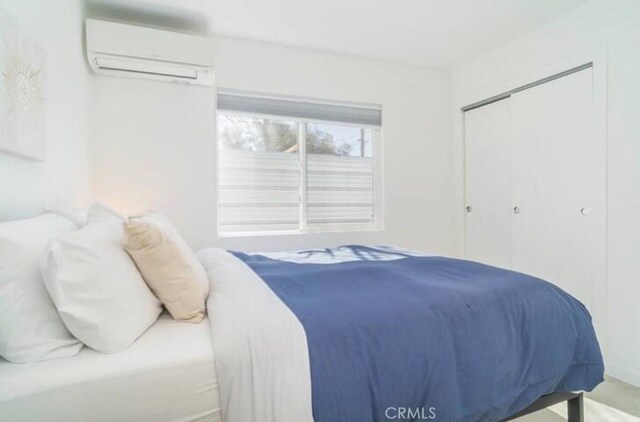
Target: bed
point(168, 374)
point(352, 333)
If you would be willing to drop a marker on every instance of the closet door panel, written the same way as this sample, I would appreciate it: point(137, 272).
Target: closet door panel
point(558, 185)
point(487, 184)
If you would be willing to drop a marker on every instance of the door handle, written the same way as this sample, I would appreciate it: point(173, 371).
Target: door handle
point(585, 211)
point(468, 208)
point(516, 210)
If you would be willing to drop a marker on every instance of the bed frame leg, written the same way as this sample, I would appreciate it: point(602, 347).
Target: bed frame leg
point(575, 407)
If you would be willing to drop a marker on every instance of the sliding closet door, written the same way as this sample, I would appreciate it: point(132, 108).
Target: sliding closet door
point(558, 185)
point(488, 192)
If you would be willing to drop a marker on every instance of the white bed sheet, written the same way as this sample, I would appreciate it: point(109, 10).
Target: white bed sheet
point(168, 374)
point(262, 358)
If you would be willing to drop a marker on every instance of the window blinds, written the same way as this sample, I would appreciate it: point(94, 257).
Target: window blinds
point(258, 192)
point(368, 115)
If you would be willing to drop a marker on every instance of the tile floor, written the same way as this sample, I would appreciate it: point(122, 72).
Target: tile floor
point(611, 401)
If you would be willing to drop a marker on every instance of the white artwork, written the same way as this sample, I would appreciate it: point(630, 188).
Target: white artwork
point(22, 100)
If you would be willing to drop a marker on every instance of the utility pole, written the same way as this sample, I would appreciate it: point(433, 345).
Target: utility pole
point(361, 142)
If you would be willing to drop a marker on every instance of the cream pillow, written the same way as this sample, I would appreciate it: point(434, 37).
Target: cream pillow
point(168, 265)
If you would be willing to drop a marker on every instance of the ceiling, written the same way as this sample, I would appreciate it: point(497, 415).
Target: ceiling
point(440, 33)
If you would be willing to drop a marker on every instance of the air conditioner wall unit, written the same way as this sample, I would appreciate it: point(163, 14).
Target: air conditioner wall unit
point(119, 49)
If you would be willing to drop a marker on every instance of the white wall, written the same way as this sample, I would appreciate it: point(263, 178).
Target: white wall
point(64, 178)
point(155, 142)
point(612, 25)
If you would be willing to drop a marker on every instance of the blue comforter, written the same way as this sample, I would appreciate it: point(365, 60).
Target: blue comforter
point(431, 338)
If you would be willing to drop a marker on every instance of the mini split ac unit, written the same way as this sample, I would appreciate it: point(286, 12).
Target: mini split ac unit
point(118, 49)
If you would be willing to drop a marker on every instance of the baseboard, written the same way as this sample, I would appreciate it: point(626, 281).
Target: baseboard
point(623, 374)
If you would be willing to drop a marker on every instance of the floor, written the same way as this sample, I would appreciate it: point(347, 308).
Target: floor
point(611, 401)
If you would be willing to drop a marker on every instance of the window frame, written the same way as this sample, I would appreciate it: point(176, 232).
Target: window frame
point(378, 223)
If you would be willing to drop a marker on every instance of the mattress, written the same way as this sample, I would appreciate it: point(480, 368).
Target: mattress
point(168, 374)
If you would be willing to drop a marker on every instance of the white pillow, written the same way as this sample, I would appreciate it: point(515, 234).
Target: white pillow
point(97, 289)
point(30, 328)
point(76, 215)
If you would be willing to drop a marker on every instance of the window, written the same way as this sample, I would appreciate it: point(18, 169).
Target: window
point(290, 166)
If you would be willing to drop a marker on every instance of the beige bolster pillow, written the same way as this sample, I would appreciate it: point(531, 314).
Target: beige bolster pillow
point(168, 265)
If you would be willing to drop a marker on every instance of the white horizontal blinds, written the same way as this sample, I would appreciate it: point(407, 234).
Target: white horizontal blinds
point(261, 170)
point(259, 175)
point(369, 115)
point(339, 176)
